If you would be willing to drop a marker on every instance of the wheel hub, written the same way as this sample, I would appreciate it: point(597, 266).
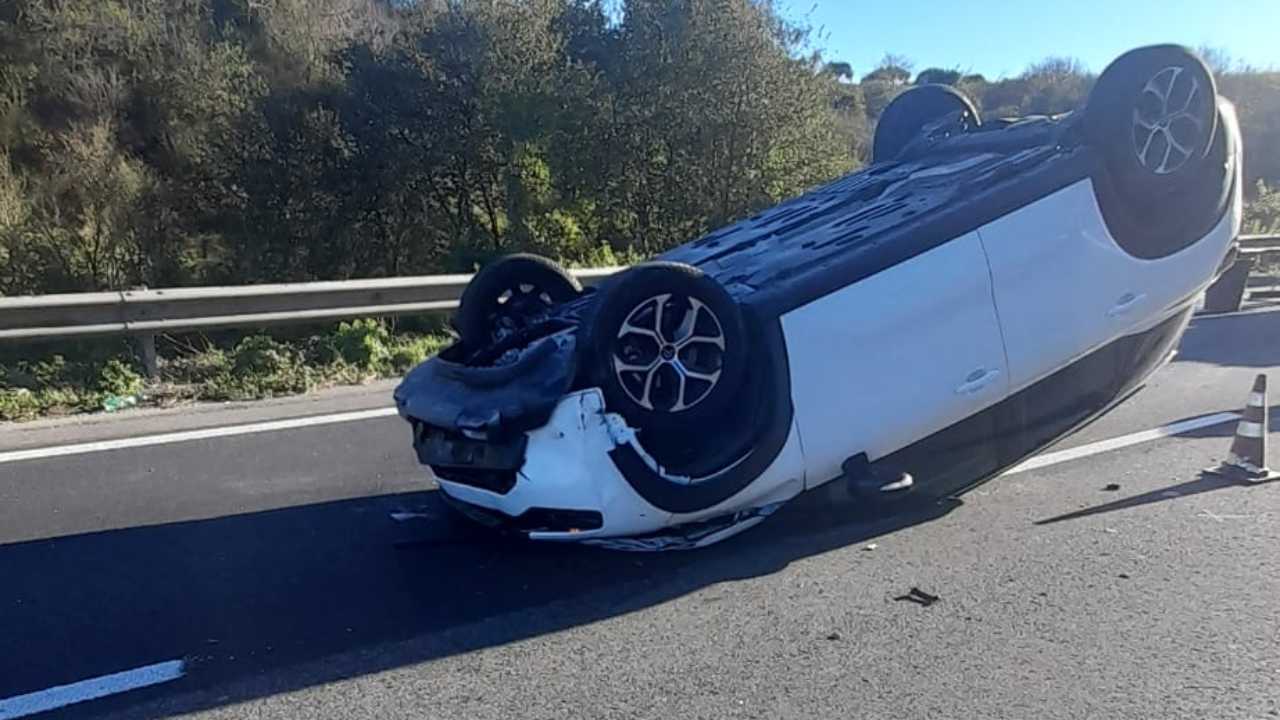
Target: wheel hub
point(518, 307)
point(668, 353)
point(1169, 120)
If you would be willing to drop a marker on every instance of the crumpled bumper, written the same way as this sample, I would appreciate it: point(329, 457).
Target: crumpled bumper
point(566, 471)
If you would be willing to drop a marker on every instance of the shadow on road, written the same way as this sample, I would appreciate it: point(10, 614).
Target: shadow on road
point(1228, 429)
point(307, 588)
point(1251, 340)
point(1206, 482)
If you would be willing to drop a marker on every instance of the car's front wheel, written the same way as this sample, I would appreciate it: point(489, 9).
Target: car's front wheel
point(669, 347)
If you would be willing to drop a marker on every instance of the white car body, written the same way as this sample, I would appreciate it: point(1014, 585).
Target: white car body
point(939, 358)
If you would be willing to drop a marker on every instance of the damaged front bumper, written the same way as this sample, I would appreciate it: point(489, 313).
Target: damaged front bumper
point(564, 485)
point(567, 488)
point(514, 447)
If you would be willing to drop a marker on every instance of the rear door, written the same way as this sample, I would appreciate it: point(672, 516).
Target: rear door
point(890, 360)
point(1063, 287)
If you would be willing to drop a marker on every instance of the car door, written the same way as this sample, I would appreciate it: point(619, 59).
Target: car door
point(1063, 287)
point(888, 361)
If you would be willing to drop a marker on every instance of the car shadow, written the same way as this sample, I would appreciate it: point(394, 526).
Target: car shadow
point(1250, 340)
point(338, 590)
point(1206, 482)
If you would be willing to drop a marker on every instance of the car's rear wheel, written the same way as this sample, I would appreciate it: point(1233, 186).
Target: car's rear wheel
point(1153, 114)
point(509, 295)
point(908, 114)
point(668, 345)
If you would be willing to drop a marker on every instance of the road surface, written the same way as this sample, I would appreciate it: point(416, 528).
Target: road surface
point(309, 571)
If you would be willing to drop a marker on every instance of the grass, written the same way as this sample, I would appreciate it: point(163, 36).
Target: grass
point(235, 366)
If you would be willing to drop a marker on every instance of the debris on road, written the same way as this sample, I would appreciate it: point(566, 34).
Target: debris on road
point(1219, 518)
point(919, 597)
point(1112, 487)
point(833, 636)
point(870, 546)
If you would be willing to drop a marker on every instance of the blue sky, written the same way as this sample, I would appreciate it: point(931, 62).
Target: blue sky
point(1001, 37)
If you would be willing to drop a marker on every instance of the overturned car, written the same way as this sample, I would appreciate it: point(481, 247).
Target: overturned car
point(976, 293)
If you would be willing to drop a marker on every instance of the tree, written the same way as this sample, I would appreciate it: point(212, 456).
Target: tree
point(840, 70)
point(938, 76)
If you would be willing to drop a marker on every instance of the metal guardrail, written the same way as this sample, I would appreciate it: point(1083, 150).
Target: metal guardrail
point(145, 313)
point(1259, 244)
point(1229, 292)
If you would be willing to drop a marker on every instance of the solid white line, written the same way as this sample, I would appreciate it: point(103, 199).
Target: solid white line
point(91, 689)
point(1123, 441)
point(407, 516)
point(189, 435)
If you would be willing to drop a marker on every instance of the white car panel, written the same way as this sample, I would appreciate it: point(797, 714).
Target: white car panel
point(1064, 287)
point(567, 466)
point(895, 357)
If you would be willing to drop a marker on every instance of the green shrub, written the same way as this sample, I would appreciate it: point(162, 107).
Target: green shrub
point(1262, 214)
point(362, 343)
point(118, 378)
point(19, 404)
point(199, 367)
point(262, 355)
point(49, 371)
point(408, 353)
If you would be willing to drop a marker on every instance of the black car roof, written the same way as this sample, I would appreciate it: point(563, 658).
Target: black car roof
point(886, 213)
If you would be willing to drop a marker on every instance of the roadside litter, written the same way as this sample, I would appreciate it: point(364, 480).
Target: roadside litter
point(919, 597)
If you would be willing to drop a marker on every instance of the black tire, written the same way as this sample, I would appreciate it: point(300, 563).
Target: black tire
point(509, 295)
point(1153, 115)
point(908, 114)
point(628, 331)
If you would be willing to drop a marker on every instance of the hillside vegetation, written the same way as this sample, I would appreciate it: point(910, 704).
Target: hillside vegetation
point(177, 142)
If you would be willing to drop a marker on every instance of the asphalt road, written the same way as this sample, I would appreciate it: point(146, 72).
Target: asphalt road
point(274, 565)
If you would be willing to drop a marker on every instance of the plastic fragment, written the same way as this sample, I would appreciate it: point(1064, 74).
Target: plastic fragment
point(114, 403)
point(919, 597)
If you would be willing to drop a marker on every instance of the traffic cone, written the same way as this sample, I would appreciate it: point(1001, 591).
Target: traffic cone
point(1247, 460)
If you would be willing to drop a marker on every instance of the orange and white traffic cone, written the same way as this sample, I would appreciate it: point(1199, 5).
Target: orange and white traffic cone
point(1247, 460)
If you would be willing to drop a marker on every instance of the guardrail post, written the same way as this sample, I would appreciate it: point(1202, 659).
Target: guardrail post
point(147, 353)
point(1227, 294)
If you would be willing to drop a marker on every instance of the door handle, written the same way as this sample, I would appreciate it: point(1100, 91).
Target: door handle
point(977, 380)
point(1127, 302)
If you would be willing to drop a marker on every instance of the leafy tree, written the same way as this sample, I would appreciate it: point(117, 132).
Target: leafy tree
point(938, 76)
point(231, 141)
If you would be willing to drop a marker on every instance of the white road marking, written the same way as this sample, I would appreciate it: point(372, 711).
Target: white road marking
point(407, 516)
point(91, 689)
point(1123, 441)
point(190, 435)
point(315, 420)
